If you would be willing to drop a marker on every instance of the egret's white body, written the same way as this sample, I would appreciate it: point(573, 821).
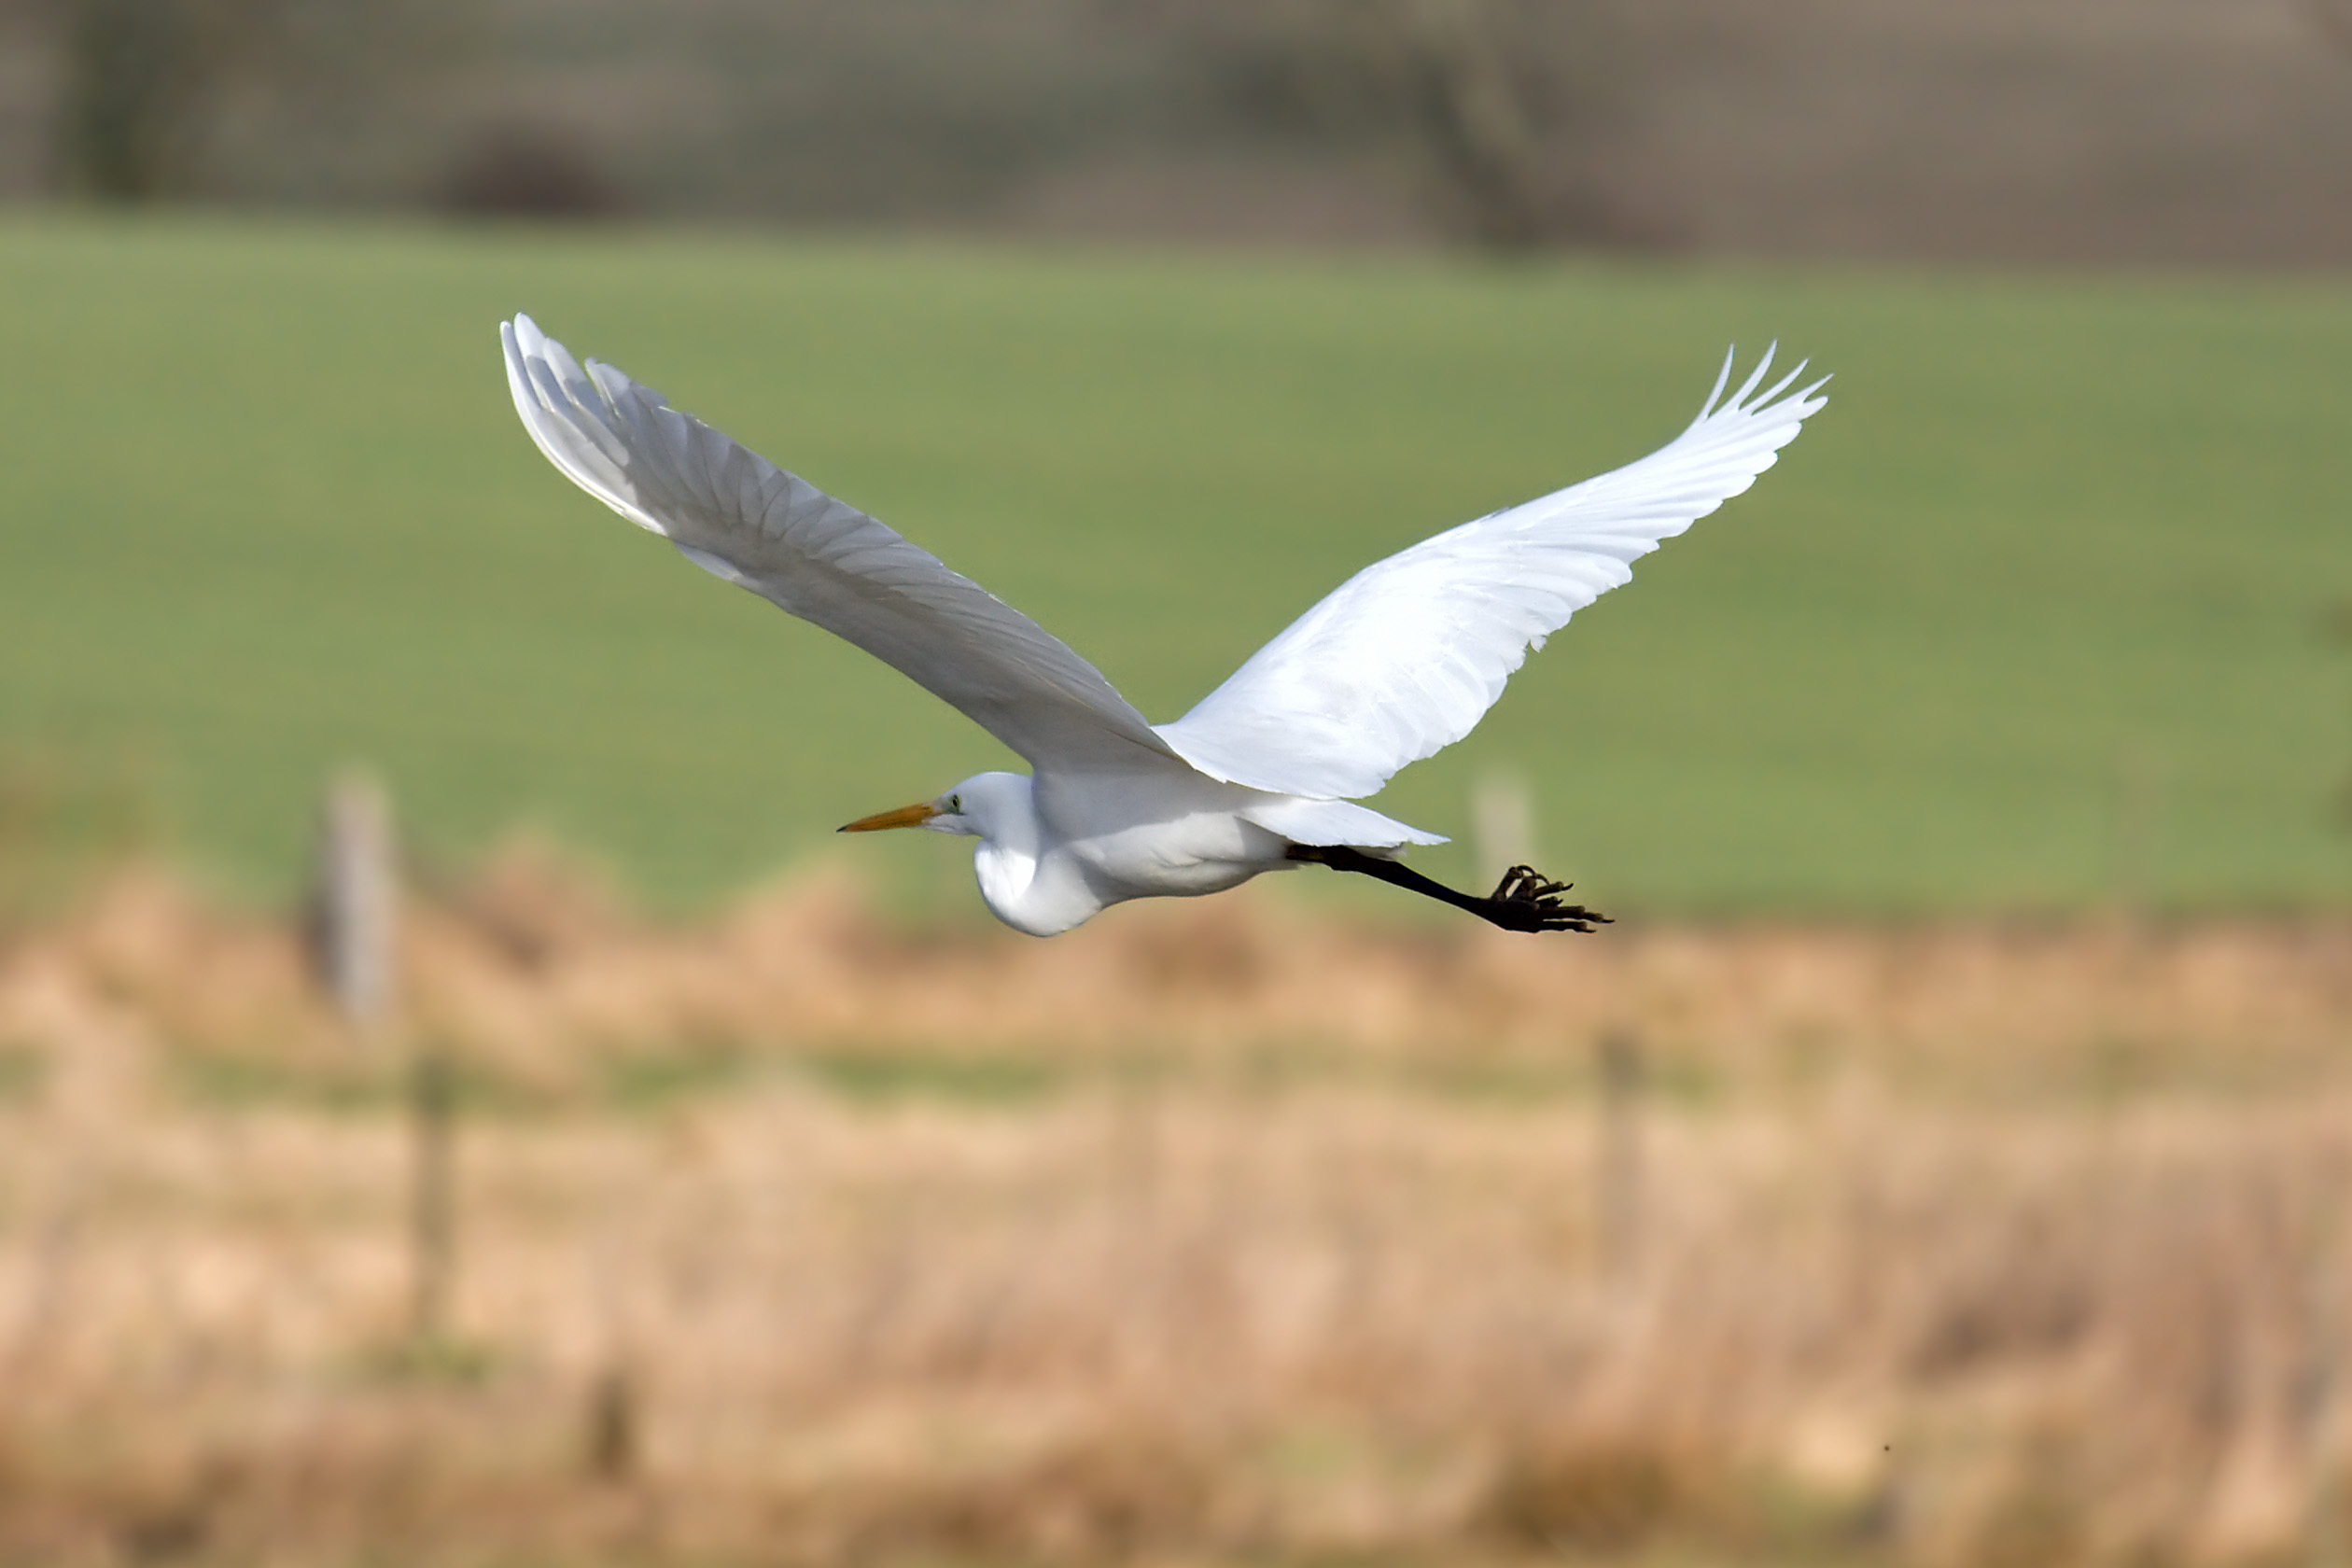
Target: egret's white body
point(1399, 661)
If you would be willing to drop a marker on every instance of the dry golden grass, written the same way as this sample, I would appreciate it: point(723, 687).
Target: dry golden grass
point(1948, 1246)
point(531, 972)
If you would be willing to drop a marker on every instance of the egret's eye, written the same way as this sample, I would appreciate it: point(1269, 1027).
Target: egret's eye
point(955, 805)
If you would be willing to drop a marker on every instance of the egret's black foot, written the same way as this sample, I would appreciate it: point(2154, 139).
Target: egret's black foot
point(1526, 900)
point(1523, 901)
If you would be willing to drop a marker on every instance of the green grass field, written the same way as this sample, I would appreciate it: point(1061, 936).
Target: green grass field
point(2056, 544)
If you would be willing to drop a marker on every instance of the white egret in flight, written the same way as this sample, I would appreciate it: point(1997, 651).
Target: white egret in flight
point(1400, 661)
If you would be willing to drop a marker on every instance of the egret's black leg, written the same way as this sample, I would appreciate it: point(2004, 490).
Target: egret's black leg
point(1523, 901)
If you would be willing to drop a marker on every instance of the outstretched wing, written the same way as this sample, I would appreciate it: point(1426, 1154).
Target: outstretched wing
point(1404, 658)
point(738, 516)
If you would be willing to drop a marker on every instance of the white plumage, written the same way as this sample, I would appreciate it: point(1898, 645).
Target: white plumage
point(1397, 663)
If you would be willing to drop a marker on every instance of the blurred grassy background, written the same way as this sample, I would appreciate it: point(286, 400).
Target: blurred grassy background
point(1974, 647)
point(2036, 615)
point(526, 1227)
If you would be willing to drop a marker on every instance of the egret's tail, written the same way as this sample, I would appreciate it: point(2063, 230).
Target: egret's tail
point(1334, 821)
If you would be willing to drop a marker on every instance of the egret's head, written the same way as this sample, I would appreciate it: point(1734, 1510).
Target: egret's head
point(982, 806)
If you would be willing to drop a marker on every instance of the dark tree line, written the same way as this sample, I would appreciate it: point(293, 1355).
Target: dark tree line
point(141, 86)
point(137, 82)
point(1485, 98)
point(1489, 96)
point(1462, 84)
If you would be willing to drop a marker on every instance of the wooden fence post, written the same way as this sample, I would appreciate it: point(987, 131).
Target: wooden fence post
point(432, 1195)
point(1501, 824)
point(354, 916)
point(1618, 1158)
point(612, 1444)
point(354, 907)
point(2323, 1391)
point(2134, 820)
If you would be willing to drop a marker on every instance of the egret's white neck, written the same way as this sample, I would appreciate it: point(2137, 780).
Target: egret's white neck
point(1001, 809)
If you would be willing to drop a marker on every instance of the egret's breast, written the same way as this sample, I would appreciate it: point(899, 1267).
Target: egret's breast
point(1041, 895)
point(1203, 853)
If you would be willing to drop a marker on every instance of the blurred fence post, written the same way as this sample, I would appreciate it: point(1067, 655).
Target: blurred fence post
point(2323, 1393)
point(1501, 824)
point(2135, 808)
point(354, 902)
point(432, 1195)
point(355, 918)
point(611, 1443)
point(1616, 1184)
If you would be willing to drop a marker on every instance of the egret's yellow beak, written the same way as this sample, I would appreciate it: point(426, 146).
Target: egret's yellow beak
point(904, 817)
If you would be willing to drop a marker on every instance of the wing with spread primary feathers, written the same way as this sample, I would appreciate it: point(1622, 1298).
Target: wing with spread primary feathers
point(1402, 659)
point(739, 516)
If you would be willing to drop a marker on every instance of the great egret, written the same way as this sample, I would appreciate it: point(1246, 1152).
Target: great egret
point(1401, 660)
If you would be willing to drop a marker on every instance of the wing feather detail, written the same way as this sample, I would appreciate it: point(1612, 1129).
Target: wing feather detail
point(740, 517)
point(1406, 657)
